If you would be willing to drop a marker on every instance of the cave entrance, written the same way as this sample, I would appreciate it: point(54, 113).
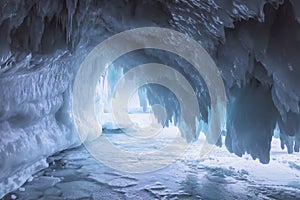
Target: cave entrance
point(146, 127)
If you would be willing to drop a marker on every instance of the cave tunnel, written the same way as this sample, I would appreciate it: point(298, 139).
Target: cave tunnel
point(152, 99)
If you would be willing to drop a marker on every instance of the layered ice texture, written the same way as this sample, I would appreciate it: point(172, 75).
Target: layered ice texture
point(254, 43)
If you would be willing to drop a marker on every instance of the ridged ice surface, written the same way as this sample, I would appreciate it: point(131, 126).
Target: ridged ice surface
point(254, 43)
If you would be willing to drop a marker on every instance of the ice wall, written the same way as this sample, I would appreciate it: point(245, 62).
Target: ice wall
point(255, 44)
point(34, 121)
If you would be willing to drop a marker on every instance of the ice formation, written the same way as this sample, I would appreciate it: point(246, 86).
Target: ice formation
point(255, 44)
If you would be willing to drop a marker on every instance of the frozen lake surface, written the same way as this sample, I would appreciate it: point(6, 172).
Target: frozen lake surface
point(75, 174)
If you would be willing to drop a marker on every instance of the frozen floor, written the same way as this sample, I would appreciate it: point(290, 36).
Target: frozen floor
point(75, 174)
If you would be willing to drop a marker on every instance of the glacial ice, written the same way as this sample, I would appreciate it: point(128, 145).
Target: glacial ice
point(255, 45)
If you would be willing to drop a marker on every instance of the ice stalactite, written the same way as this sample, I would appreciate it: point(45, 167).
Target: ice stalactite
point(251, 121)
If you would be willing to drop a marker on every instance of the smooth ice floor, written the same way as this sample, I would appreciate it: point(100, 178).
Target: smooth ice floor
point(75, 174)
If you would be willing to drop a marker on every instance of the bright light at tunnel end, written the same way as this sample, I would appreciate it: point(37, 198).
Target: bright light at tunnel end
point(141, 38)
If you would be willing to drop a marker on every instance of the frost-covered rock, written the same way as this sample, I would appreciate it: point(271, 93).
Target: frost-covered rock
point(30, 122)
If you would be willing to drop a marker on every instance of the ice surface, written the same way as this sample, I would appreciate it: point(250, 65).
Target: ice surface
point(254, 43)
point(76, 174)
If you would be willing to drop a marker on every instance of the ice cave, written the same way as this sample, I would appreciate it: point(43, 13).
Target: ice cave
point(150, 99)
